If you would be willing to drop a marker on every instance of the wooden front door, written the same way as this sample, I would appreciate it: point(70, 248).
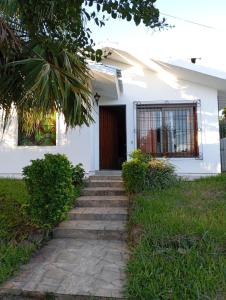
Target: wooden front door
point(112, 137)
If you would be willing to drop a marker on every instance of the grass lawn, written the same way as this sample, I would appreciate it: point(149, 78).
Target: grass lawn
point(178, 241)
point(14, 227)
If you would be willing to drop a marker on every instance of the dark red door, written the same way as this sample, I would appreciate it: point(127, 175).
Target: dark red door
point(112, 137)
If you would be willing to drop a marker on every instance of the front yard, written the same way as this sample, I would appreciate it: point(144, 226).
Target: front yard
point(31, 208)
point(14, 227)
point(177, 238)
point(178, 241)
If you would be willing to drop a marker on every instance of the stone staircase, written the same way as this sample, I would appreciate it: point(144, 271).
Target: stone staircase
point(100, 213)
point(87, 257)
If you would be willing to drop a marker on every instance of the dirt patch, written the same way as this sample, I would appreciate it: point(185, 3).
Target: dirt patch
point(135, 234)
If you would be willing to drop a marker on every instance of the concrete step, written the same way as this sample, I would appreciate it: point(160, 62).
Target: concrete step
point(99, 213)
point(105, 177)
point(102, 201)
point(102, 230)
point(101, 191)
point(105, 183)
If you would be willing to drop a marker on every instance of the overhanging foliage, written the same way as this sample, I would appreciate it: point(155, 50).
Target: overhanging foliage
point(44, 45)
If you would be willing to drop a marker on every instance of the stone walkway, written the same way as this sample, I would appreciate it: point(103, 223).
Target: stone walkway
point(87, 257)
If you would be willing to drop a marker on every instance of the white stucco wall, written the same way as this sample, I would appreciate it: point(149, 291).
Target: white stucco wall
point(139, 84)
point(76, 144)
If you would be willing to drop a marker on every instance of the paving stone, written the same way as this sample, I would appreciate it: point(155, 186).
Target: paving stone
point(98, 269)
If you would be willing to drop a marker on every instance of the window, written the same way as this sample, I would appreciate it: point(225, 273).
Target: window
point(44, 133)
point(167, 130)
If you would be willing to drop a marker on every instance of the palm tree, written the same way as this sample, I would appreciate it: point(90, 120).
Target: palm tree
point(44, 45)
point(40, 73)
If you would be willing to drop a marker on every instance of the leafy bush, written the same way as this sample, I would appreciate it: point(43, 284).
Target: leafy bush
point(134, 174)
point(143, 172)
point(160, 174)
point(78, 175)
point(50, 185)
point(143, 157)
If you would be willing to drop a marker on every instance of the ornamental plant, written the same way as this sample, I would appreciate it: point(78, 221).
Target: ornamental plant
point(134, 173)
point(51, 191)
point(78, 175)
point(144, 172)
point(160, 174)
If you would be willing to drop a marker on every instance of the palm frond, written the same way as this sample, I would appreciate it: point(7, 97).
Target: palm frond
point(9, 7)
point(53, 80)
point(41, 67)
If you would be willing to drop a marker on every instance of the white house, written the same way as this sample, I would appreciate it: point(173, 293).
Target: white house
point(164, 108)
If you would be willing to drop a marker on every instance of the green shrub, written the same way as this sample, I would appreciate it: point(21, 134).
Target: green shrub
point(160, 174)
point(143, 157)
point(143, 172)
point(134, 175)
point(78, 175)
point(50, 185)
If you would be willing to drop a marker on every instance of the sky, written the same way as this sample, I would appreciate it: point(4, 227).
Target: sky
point(183, 41)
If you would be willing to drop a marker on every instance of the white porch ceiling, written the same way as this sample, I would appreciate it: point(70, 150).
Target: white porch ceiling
point(105, 81)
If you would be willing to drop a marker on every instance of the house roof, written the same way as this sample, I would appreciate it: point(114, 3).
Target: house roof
point(183, 70)
point(198, 74)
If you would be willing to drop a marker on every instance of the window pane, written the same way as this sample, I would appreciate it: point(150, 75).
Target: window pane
point(180, 129)
point(167, 130)
point(149, 130)
point(44, 133)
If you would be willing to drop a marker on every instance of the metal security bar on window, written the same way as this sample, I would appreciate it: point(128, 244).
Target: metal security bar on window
point(167, 130)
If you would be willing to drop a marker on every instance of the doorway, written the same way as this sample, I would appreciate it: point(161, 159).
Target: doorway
point(113, 147)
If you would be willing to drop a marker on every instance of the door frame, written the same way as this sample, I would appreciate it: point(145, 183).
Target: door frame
point(111, 105)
